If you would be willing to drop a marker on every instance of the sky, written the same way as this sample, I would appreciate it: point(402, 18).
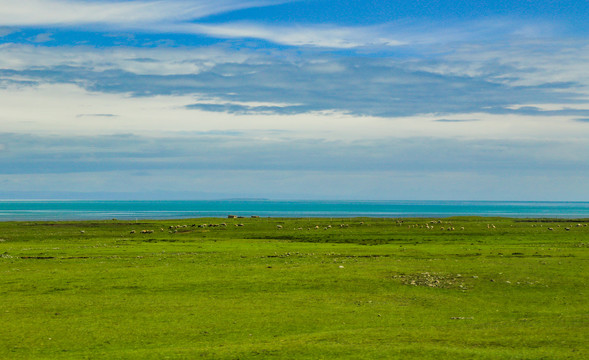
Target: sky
point(308, 99)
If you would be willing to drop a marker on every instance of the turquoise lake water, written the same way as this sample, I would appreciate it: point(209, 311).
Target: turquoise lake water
point(96, 210)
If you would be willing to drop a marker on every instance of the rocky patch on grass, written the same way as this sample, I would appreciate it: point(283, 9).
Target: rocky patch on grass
point(437, 280)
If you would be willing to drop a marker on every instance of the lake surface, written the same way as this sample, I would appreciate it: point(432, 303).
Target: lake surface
point(97, 210)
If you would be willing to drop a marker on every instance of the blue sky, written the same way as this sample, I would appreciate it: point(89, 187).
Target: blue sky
point(310, 99)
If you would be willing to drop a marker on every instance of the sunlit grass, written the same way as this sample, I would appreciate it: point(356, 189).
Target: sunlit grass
point(315, 288)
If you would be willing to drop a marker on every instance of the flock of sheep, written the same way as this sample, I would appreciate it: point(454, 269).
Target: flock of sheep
point(431, 225)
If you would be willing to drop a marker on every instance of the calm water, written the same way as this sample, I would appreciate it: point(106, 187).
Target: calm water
point(94, 210)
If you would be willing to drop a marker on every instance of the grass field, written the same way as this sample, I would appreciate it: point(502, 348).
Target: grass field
point(491, 288)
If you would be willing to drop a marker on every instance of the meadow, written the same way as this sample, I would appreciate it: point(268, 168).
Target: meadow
point(273, 288)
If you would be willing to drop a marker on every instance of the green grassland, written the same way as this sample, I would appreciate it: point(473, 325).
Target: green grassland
point(491, 288)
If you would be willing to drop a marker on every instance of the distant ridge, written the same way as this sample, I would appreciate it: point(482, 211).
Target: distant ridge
point(245, 199)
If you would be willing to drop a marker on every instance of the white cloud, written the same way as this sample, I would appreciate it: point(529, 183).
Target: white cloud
point(179, 16)
point(56, 109)
point(42, 38)
point(144, 61)
point(299, 35)
point(428, 34)
point(138, 13)
point(520, 62)
point(386, 87)
point(175, 16)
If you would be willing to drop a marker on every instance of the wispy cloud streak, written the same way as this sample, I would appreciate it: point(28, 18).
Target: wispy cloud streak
point(137, 13)
point(187, 17)
point(178, 17)
point(329, 36)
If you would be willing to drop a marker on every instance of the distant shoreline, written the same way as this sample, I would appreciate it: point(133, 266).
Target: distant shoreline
point(408, 218)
